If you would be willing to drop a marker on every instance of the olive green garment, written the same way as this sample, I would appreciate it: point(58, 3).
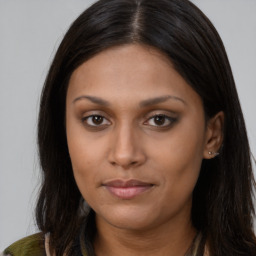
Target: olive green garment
point(29, 246)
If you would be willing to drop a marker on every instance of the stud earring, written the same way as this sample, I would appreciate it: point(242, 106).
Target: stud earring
point(213, 153)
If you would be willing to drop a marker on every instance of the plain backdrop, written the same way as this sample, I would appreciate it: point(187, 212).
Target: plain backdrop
point(30, 32)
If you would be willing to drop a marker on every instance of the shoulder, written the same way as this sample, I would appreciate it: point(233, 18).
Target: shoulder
point(33, 245)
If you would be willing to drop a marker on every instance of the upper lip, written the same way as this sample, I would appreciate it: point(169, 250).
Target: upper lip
point(126, 183)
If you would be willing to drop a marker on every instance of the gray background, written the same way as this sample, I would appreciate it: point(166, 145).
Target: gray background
point(30, 32)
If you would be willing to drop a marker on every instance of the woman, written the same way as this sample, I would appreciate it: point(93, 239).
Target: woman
point(140, 119)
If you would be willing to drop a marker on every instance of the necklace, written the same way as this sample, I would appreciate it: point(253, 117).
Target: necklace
point(197, 246)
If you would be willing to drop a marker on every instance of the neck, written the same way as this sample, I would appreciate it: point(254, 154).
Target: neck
point(172, 239)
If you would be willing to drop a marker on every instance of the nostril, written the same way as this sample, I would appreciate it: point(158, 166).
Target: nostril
point(113, 163)
point(124, 165)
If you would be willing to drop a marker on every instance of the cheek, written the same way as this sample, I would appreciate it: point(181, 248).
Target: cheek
point(83, 157)
point(180, 158)
point(85, 170)
point(184, 146)
point(187, 142)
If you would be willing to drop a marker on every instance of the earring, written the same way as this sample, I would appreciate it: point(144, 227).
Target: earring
point(213, 153)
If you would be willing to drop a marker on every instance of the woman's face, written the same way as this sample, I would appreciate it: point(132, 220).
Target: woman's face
point(136, 135)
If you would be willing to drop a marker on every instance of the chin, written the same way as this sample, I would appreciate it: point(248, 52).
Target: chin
point(129, 218)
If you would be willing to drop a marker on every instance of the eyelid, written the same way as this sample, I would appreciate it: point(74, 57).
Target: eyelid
point(166, 113)
point(91, 114)
point(96, 112)
point(87, 117)
point(171, 116)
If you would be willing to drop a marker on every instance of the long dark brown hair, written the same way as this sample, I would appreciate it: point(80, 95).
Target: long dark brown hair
point(222, 200)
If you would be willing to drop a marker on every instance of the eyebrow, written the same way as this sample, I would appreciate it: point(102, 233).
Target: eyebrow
point(144, 103)
point(160, 99)
point(93, 99)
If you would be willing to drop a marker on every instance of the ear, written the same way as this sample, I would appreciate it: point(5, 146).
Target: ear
point(214, 135)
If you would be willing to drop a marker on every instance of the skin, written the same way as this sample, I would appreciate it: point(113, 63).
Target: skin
point(124, 140)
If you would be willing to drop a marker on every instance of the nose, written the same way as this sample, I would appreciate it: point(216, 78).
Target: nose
point(126, 149)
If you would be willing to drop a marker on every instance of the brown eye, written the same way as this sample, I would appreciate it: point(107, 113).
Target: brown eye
point(161, 121)
point(95, 120)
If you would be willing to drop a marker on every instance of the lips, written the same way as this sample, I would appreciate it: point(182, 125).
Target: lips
point(127, 189)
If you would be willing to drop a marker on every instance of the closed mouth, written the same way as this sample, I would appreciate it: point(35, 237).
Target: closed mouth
point(127, 189)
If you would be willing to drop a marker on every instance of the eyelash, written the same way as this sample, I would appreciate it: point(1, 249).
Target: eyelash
point(85, 121)
point(171, 121)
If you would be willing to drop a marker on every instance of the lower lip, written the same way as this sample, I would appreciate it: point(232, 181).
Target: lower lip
point(128, 192)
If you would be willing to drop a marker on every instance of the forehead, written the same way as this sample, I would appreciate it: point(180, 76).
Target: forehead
point(129, 71)
point(120, 60)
